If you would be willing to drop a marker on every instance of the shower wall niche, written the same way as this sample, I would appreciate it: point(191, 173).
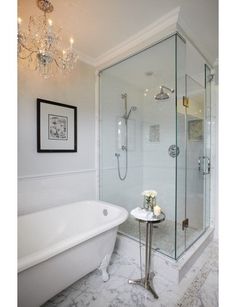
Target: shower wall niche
point(161, 144)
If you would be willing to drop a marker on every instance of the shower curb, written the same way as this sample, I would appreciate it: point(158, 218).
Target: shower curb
point(166, 267)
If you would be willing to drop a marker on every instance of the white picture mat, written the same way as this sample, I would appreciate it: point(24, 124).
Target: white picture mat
point(46, 143)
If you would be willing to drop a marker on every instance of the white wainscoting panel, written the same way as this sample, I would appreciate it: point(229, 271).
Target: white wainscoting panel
point(41, 192)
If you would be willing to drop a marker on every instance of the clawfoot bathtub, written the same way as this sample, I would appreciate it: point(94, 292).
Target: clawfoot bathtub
point(60, 245)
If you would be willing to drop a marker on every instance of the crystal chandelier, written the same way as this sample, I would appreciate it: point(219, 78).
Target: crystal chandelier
point(41, 47)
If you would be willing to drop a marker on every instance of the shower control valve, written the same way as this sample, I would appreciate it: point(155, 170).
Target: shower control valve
point(124, 147)
point(173, 151)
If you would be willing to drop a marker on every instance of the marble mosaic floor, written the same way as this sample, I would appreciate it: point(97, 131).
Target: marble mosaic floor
point(198, 288)
point(163, 235)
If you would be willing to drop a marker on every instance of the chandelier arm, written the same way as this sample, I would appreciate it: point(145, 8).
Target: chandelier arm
point(23, 58)
point(56, 63)
point(32, 51)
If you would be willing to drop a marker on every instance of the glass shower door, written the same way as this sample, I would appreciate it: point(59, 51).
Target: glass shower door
point(208, 78)
point(196, 161)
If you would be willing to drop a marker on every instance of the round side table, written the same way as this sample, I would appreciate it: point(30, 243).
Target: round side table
point(147, 281)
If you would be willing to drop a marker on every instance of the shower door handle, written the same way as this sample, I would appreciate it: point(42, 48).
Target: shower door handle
point(200, 159)
point(206, 165)
point(199, 163)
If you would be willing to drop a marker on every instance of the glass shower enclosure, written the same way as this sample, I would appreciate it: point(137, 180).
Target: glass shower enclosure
point(154, 123)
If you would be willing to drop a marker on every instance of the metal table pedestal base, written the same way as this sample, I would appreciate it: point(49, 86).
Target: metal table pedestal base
point(147, 281)
point(145, 284)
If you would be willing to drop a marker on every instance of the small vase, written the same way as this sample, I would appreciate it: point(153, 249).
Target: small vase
point(152, 203)
point(145, 203)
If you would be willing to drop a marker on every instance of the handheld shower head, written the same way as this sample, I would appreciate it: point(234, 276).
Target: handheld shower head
point(133, 108)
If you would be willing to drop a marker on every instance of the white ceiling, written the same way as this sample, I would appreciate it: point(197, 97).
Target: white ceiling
point(100, 25)
point(201, 16)
point(158, 60)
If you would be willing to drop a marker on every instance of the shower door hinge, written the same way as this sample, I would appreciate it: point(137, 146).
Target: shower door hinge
point(185, 102)
point(185, 224)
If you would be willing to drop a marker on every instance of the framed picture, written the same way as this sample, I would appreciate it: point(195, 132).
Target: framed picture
point(56, 127)
point(195, 130)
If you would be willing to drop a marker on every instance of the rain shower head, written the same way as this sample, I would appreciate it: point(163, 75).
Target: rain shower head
point(163, 95)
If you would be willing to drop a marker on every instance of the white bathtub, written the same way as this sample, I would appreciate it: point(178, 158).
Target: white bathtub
point(60, 245)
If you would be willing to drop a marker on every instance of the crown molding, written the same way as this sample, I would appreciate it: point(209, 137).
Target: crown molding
point(147, 36)
point(164, 26)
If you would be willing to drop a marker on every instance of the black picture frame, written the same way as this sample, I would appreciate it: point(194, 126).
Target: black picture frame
point(68, 133)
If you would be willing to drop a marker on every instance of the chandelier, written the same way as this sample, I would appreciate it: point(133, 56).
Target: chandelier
point(41, 44)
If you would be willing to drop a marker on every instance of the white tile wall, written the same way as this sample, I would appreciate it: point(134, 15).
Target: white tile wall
point(126, 193)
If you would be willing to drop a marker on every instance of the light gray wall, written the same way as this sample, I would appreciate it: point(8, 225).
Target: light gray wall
point(51, 179)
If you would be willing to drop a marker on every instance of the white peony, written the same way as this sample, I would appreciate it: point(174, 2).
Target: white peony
point(150, 193)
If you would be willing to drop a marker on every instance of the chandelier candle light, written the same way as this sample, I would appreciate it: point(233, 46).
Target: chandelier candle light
point(40, 45)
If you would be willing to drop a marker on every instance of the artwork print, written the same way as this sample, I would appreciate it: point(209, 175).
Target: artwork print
point(57, 127)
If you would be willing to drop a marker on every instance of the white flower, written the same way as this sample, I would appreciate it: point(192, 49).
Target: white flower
point(150, 193)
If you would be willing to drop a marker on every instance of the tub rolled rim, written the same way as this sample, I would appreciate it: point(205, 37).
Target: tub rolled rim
point(33, 259)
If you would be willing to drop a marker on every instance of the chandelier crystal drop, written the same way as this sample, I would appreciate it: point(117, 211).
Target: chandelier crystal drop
point(41, 45)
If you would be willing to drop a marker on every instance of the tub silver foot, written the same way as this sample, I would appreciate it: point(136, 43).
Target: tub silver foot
point(104, 266)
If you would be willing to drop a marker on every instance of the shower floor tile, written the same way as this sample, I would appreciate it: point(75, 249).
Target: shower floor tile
point(163, 235)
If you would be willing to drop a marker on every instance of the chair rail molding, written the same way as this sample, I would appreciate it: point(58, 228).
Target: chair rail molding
point(56, 174)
